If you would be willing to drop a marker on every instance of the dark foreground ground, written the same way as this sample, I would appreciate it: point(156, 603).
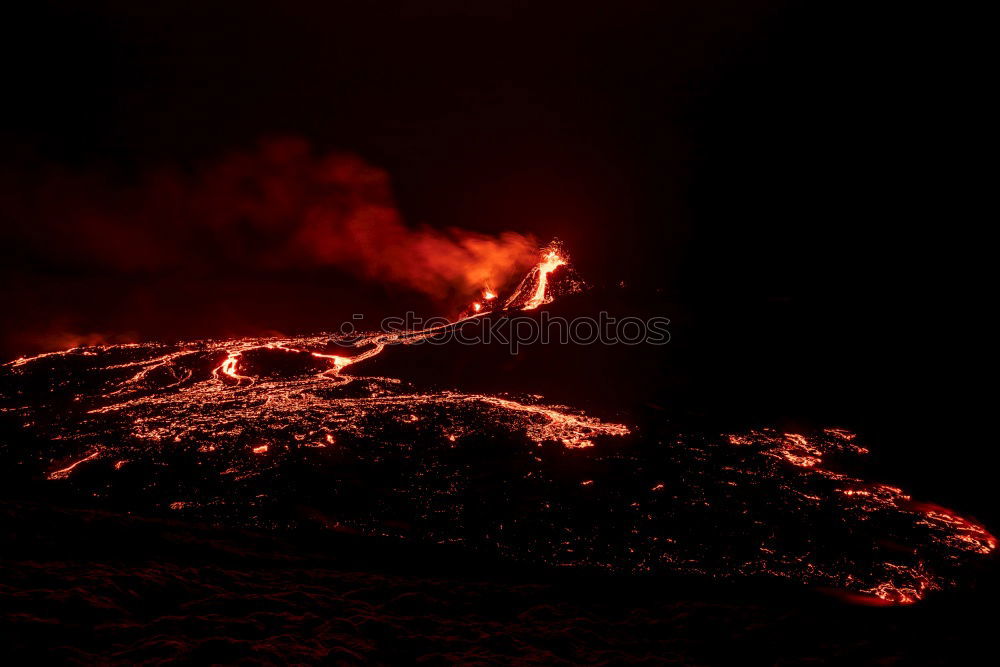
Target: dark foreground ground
point(87, 586)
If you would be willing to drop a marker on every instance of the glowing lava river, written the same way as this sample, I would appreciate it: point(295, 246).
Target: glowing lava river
point(281, 432)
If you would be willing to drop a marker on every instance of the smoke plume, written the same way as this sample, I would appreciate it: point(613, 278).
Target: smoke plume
point(278, 207)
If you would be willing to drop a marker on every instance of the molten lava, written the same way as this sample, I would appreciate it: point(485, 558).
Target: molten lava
point(250, 431)
point(534, 289)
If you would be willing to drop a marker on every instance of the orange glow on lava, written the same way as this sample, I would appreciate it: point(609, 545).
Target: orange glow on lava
point(229, 365)
point(966, 535)
point(550, 262)
point(65, 472)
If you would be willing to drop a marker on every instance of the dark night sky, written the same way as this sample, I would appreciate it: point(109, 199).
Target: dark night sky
point(803, 179)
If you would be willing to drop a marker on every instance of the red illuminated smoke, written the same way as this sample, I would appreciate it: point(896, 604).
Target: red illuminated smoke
point(274, 208)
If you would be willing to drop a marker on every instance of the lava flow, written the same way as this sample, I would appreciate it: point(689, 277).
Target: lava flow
point(283, 432)
point(536, 283)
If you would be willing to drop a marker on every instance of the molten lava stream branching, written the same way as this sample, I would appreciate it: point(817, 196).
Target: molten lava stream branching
point(248, 431)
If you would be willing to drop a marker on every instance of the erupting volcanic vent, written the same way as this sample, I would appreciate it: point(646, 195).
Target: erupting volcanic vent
point(282, 432)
